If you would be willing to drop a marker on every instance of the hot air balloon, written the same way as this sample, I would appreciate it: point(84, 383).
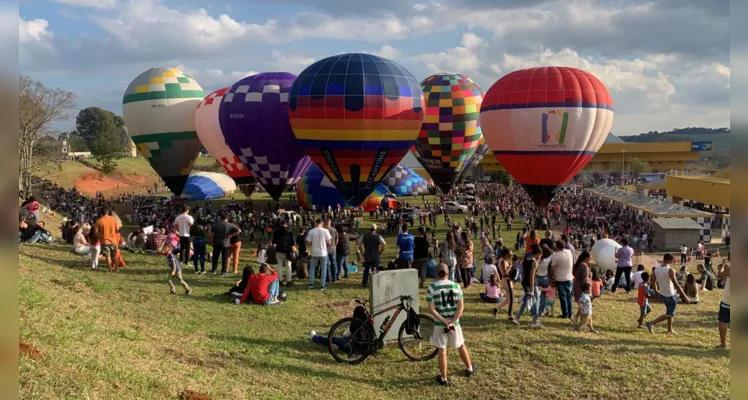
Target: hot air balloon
point(451, 131)
point(545, 124)
point(208, 185)
point(159, 112)
point(356, 115)
point(315, 191)
point(402, 181)
point(254, 121)
point(475, 159)
point(209, 131)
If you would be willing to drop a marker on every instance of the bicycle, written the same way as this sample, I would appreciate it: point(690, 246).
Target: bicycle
point(356, 339)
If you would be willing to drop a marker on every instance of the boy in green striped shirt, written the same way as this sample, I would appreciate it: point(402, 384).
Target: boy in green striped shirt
point(446, 305)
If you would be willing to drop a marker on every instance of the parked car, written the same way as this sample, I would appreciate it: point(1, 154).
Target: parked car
point(408, 215)
point(452, 207)
point(466, 198)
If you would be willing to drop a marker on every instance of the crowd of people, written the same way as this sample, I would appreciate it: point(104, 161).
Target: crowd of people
point(292, 247)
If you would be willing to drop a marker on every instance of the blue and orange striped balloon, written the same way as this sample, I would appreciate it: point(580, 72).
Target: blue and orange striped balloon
point(356, 116)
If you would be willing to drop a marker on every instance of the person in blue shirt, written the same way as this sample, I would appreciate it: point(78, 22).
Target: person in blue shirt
point(405, 243)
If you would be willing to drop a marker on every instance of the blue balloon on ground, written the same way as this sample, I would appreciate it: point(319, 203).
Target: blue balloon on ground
point(208, 185)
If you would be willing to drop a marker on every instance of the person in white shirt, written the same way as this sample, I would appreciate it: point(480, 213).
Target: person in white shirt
point(637, 277)
point(683, 254)
point(317, 241)
point(184, 222)
point(562, 262)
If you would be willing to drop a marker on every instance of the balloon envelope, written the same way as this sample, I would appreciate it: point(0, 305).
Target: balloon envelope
point(208, 185)
point(545, 124)
point(254, 120)
point(209, 131)
point(604, 254)
point(451, 130)
point(475, 159)
point(356, 115)
point(402, 181)
point(159, 112)
point(315, 191)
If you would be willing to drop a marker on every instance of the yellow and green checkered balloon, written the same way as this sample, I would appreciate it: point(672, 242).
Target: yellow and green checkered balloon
point(451, 131)
point(159, 112)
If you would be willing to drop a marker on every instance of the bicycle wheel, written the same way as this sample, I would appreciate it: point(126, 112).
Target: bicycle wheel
point(417, 346)
point(349, 341)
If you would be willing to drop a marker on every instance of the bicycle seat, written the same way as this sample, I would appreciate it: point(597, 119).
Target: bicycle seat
point(362, 302)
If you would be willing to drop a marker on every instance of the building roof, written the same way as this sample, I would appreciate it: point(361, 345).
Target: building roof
point(650, 205)
point(676, 223)
point(612, 139)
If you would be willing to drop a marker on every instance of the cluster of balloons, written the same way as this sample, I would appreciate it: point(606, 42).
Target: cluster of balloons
point(355, 116)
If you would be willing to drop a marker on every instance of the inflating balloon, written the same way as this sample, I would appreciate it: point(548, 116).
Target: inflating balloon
point(451, 130)
point(402, 181)
point(254, 120)
point(209, 131)
point(604, 254)
point(356, 115)
point(208, 185)
point(475, 159)
point(315, 191)
point(545, 124)
point(159, 112)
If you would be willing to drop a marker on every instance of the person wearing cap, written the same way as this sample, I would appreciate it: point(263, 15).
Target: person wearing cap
point(446, 305)
point(284, 240)
point(372, 245)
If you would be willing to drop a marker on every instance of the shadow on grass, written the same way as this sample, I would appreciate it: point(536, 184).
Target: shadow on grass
point(637, 344)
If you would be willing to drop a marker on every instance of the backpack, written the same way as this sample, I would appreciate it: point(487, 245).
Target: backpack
point(412, 322)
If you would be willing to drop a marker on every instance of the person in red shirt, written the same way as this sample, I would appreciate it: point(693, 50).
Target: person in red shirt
point(263, 288)
point(642, 299)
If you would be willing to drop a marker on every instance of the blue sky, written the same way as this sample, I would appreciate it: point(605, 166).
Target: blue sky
point(666, 62)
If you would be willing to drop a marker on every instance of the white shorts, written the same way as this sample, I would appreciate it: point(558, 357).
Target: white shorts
point(453, 340)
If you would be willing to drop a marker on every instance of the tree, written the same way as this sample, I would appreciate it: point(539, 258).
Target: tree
point(92, 121)
point(107, 146)
point(637, 167)
point(505, 178)
point(38, 106)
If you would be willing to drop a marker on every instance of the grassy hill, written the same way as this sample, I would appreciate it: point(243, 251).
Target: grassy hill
point(720, 139)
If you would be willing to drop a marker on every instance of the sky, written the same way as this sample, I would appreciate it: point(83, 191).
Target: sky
point(666, 63)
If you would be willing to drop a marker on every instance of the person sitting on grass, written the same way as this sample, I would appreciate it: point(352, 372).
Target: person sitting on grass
point(175, 269)
point(80, 244)
point(359, 313)
point(493, 292)
point(263, 287)
point(585, 309)
point(446, 306)
point(237, 292)
point(691, 289)
point(706, 281)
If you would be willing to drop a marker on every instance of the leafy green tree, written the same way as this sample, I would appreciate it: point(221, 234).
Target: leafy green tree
point(107, 147)
point(92, 121)
point(637, 167)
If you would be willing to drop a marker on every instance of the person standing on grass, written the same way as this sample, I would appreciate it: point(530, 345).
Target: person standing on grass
point(642, 299)
point(585, 310)
point(223, 231)
point(184, 222)
point(317, 241)
point(106, 231)
point(666, 286)
point(175, 270)
point(465, 258)
point(406, 242)
point(683, 254)
point(342, 252)
point(505, 266)
point(372, 245)
point(724, 306)
point(332, 260)
point(197, 234)
point(283, 240)
point(421, 255)
point(582, 275)
point(530, 297)
point(447, 254)
point(562, 262)
point(624, 264)
point(446, 306)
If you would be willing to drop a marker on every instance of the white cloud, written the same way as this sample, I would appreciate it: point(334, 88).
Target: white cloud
point(211, 79)
point(289, 62)
point(103, 4)
point(462, 58)
point(34, 30)
point(385, 51)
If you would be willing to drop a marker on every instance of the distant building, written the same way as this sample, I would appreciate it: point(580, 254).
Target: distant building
point(132, 150)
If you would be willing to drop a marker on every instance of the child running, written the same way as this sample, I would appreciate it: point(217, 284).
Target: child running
point(585, 309)
point(643, 299)
point(175, 269)
point(550, 301)
point(446, 306)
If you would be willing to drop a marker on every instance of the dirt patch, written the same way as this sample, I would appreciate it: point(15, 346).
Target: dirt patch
point(93, 182)
point(192, 395)
point(29, 350)
point(180, 356)
point(342, 308)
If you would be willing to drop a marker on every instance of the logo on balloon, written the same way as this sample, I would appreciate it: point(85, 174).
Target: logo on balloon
point(558, 119)
point(236, 115)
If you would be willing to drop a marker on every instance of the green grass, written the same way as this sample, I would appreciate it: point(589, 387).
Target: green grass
point(108, 336)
